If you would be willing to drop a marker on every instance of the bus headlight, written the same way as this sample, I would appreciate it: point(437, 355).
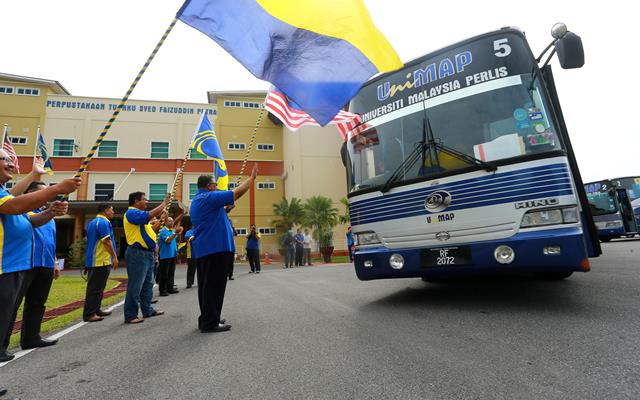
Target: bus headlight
point(613, 224)
point(396, 261)
point(555, 216)
point(366, 238)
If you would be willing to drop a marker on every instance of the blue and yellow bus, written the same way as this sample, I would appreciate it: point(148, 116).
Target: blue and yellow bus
point(615, 206)
point(463, 164)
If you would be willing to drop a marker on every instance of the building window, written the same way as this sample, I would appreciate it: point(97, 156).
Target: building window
point(6, 90)
point(234, 104)
point(265, 147)
point(194, 155)
point(157, 191)
point(18, 140)
point(236, 146)
point(159, 149)
point(266, 185)
point(267, 231)
point(9, 185)
point(108, 148)
point(241, 231)
point(104, 191)
point(193, 189)
point(251, 104)
point(28, 91)
point(63, 147)
point(232, 185)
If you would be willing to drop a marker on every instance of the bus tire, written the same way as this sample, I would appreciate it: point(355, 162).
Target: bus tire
point(554, 276)
point(605, 239)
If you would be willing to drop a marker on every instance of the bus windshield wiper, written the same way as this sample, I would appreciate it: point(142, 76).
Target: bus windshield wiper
point(406, 164)
point(438, 146)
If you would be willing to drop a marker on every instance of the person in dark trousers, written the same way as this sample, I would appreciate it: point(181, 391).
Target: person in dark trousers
point(167, 253)
point(213, 247)
point(253, 250)
point(289, 250)
point(16, 245)
point(141, 240)
point(101, 255)
point(234, 233)
point(39, 280)
point(350, 243)
point(191, 262)
point(299, 243)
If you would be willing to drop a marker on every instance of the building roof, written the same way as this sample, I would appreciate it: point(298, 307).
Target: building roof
point(54, 85)
point(214, 95)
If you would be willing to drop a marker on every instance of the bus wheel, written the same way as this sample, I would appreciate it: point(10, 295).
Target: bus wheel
point(605, 239)
point(554, 276)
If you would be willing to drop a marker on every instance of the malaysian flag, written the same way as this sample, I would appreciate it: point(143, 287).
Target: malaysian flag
point(8, 148)
point(294, 118)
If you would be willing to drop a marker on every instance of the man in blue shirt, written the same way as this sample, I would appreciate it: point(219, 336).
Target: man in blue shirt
point(101, 255)
point(299, 241)
point(140, 257)
point(16, 239)
point(39, 280)
point(253, 250)
point(213, 247)
point(167, 253)
point(350, 243)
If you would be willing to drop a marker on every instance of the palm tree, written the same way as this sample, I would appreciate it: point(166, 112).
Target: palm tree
point(345, 218)
point(291, 213)
point(320, 214)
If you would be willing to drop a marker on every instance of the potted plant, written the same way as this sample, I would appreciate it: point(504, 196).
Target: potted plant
point(320, 213)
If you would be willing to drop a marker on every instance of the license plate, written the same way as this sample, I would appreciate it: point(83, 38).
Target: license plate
point(446, 256)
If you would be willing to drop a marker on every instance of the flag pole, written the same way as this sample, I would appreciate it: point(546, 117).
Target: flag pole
point(132, 170)
point(4, 133)
point(114, 116)
point(35, 147)
point(180, 171)
point(253, 139)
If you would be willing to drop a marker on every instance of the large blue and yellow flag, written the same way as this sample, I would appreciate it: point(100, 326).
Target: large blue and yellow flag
point(44, 154)
point(318, 52)
point(205, 142)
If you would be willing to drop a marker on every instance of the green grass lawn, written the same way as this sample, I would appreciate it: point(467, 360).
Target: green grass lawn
point(334, 259)
point(65, 290)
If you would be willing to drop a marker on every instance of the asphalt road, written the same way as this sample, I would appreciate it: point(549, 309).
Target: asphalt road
point(319, 333)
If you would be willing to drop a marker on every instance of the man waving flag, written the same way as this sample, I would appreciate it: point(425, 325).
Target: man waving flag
point(205, 142)
point(317, 52)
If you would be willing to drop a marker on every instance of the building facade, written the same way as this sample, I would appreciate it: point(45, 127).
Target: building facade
point(148, 142)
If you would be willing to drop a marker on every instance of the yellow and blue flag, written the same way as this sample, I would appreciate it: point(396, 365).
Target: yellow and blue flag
point(44, 153)
point(205, 142)
point(317, 52)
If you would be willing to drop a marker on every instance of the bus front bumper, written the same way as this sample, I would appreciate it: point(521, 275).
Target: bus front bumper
point(529, 249)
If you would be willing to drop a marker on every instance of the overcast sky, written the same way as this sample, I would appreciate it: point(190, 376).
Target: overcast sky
point(95, 48)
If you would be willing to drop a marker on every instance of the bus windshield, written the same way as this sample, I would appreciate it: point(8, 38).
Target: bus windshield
point(632, 184)
point(449, 124)
point(601, 197)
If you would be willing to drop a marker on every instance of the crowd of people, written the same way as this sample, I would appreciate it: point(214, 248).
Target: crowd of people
point(28, 262)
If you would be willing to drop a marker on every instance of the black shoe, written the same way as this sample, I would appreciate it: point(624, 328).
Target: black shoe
point(3, 391)
point(189, 286)
point(257, 272)
point(231, 278)
point(222, 321)
point(6, 356)
point(163, 295)
point(154, 301)
point(174, 291)
point(251, 272)
point(38, 344)
point(219, 328)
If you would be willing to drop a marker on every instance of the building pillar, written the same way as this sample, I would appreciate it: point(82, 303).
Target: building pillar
point(78, 227)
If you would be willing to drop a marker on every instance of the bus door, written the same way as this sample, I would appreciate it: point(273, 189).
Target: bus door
point(628, 219)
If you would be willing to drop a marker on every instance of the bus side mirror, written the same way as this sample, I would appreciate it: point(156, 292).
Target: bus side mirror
point(570, 51)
